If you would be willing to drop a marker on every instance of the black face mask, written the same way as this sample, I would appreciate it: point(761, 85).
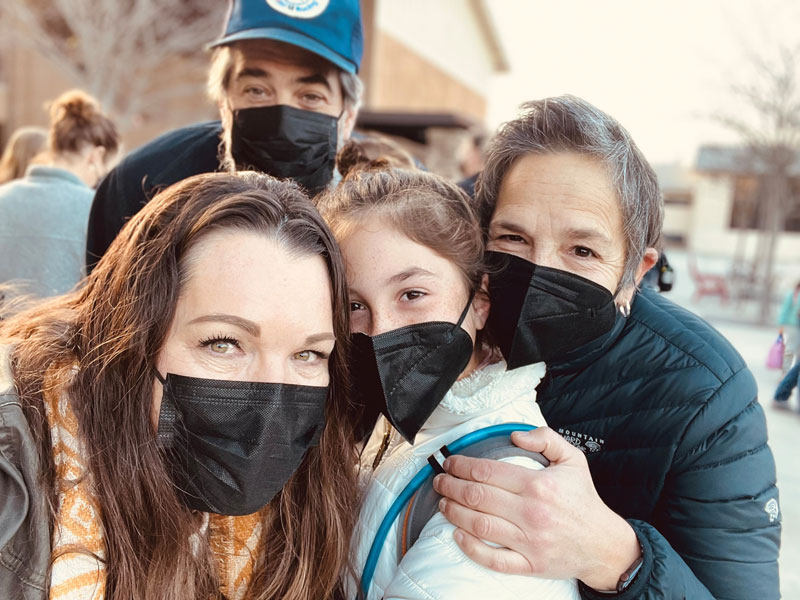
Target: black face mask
point(542, 314)
point(287, 143)
point(405, 373)
point(232, 445)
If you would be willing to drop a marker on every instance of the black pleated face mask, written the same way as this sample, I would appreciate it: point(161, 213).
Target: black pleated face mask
point(405, 373)
point(287, 143)
point(232, 445)
point(542, 314)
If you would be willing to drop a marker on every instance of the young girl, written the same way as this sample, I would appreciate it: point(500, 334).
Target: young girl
point(413, 252)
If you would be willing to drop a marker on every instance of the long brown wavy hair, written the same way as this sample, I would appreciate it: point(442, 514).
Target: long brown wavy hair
point(112, 328)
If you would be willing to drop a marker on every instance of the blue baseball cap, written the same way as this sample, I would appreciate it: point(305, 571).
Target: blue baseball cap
point(329, 28)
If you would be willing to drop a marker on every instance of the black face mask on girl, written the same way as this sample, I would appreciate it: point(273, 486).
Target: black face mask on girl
point(232, 445)
point(542, 314)
point(405, 373)
point(287, 143)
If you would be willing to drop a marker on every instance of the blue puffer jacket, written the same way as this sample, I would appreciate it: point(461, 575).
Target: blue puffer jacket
point(668, 416)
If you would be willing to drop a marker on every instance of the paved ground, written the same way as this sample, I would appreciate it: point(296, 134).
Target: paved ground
point(752, 342)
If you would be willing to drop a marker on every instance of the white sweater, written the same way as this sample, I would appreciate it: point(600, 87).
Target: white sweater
point(435, 567)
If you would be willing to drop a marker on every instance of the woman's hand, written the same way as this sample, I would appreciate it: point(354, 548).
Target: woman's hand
point(549, 523)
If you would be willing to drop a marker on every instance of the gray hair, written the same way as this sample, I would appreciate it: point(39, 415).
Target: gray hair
point(570, 124)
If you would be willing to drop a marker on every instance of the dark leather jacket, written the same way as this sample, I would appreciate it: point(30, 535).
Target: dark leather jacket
point(24, 527)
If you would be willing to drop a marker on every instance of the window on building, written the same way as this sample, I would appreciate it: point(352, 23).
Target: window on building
point(744, 209)
point(748, 194)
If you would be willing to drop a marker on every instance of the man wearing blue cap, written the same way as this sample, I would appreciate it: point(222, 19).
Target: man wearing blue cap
point(284, 76)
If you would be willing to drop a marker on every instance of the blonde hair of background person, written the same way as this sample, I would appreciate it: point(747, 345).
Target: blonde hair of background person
point(23, 145)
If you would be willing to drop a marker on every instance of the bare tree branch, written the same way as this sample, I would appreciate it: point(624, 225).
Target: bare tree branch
point(116, 49)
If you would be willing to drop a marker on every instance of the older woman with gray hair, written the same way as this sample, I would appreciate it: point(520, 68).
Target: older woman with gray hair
point(661, 483)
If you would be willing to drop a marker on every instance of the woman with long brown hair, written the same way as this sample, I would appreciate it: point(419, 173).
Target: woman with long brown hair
point(161, 428)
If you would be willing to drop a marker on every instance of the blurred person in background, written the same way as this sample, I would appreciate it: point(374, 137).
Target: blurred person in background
point(473, 156)
point(25, 143)
point(284, 78)
point(789, 319)
point(369, 152)
point(43, 216)
point(661, 483)
point(177, 428)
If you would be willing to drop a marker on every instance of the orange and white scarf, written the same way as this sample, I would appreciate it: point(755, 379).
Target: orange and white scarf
point(76, 574)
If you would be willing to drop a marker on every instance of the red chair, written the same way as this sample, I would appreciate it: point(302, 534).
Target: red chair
point(707, 284)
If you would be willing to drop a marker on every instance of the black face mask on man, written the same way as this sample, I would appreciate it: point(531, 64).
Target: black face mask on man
point(232, 445)
point(287, 143)
point(542, 314)
point(405, 373)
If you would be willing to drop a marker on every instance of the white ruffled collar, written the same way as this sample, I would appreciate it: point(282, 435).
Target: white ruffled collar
point(485, 390)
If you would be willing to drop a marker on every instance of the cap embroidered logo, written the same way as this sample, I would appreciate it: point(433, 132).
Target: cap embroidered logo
point(302, 9)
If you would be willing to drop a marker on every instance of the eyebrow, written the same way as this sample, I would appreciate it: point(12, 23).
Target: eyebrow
point(251, 72)
point(320, 337)
point(316, 78)
point(245, 324)
point(308, 79)
point(253, 328)
point(588, 234)
point(573, 232)
point(509, 226)
point(412, 272)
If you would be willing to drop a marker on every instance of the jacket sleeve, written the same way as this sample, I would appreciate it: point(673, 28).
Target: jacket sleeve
point(435, 568)
point(24, 528)
point(719, 508)
point(116, 200)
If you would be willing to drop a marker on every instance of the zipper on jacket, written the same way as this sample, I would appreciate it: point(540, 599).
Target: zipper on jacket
point(388, 434)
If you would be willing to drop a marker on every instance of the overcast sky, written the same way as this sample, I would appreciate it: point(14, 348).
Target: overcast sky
point(659, 66)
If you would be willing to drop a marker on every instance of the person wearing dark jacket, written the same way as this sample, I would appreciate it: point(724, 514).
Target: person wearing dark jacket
point(661, 483)
point(285, 80)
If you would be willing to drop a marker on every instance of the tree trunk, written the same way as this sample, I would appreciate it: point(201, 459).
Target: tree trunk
point(774, 218)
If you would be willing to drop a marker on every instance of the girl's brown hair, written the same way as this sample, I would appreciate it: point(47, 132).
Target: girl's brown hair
point(24, 144)
point(112, 329)
point(76, 121)
point(425, 207)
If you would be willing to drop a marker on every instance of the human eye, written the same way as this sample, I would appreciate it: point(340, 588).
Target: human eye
point(254, 92)
point(311, 356)
point(221, 345)
point(511, 238)
point(412, 295)
point(583, 252)
point(313, 97)
point(357, 306)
